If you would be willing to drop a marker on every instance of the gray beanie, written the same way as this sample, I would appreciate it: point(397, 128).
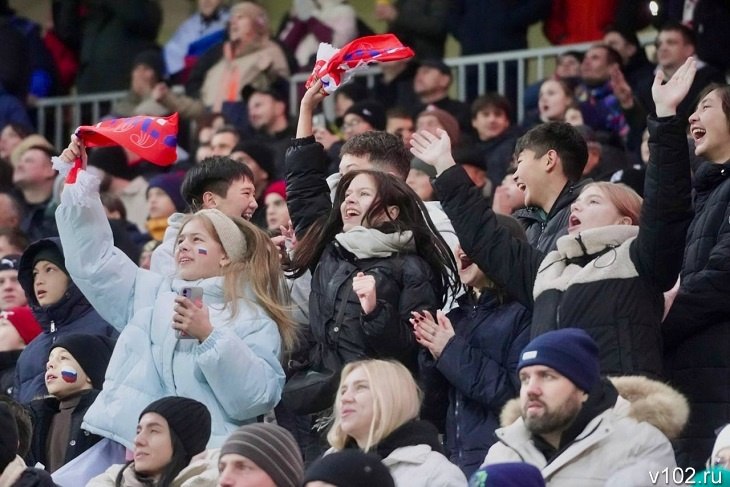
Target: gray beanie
point(272, 448)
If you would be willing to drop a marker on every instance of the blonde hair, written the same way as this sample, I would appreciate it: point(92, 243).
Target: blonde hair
point(396, 400)
point(259, 267)
point(626, 200)
point(257, 14)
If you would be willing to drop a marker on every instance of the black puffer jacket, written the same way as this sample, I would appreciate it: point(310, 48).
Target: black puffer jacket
point(71, 314)
point(614, 289)
point(697, 328)
point(544, 230)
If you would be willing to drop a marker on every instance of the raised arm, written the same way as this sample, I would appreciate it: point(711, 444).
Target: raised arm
point(667, 209)
point(307, 192)
point(508, 262)
point(103, 273)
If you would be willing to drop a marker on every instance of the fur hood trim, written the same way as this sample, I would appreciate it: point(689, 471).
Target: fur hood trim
point(651, 401)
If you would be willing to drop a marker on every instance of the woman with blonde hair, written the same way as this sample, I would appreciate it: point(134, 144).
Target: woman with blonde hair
point(222, 348)
point(376, 410)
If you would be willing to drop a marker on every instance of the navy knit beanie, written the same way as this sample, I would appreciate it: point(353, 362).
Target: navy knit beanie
point(92, 352)
point(170, 183)
point(188, 418)
point(570, 351)
point(513, 474)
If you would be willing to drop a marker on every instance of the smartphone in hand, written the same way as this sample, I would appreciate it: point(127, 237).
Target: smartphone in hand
point(194, 294)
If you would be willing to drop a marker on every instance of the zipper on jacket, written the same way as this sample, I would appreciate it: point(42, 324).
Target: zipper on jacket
point(53, 326)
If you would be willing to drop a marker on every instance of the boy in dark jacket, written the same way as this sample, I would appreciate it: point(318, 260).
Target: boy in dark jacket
point(74, 377)
point(59, 307)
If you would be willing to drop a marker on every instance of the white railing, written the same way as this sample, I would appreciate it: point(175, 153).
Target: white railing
point(67, 112)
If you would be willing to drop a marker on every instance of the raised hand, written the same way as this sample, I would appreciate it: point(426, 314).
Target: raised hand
point(434, 150)
point(313, 97)
point(621, 88)
point(364, 287)
point(75, 150)
point(667, 96)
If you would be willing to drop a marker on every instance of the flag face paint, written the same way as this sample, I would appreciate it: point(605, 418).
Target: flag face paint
point(202, 251)
point(69, 374)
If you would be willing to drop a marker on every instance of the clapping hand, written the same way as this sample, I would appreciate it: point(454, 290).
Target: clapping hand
point(430, 333)
point(667, 96)
point(434, 150)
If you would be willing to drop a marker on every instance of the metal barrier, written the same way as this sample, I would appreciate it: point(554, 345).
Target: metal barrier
point(57, 116)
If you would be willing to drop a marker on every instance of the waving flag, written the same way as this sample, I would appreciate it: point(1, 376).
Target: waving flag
point(336, 66)
point(154, 139)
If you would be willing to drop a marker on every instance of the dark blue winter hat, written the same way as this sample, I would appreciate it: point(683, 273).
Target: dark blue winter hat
point(507, 475)
point(570, 351)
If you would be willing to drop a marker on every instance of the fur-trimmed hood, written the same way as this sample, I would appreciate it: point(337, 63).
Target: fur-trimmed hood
point(651, 401)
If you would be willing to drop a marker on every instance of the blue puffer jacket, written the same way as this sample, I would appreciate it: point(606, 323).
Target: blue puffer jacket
point(71, 314)
point(235, 372)
point(478, 371)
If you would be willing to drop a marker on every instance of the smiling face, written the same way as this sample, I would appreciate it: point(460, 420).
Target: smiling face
point(64, 376)
point(152, 445)
point(469, 272)
point(530, 176)
point(359, 197)
point(553, 101)
point(240, 199)
point(593, 209)
point(49, 282)
point(490, 123)
point(548, 400)
point(710, 129)
point(198, 253)
point(356, 405)
point(239, 471)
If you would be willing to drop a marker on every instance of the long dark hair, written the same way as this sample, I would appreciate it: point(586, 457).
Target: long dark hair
point(180, 459)
point(412, 216)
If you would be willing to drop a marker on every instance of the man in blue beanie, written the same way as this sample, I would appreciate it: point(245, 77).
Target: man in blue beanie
point(574, 425)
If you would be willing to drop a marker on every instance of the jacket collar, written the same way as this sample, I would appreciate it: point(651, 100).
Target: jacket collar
point(710, 175)
point(412, 433)
point(595, 240)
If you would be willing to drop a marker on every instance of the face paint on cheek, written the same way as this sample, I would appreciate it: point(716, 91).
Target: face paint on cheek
point(202, 251)
point(69, 374)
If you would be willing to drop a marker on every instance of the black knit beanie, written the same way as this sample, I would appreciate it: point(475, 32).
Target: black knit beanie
point(351, 468)
point(92, 352)
point(188, 418)
point(52, 254)
point(272, 448)
point(8, 436)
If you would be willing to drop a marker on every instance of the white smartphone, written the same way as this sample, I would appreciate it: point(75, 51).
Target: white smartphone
point(194, 294)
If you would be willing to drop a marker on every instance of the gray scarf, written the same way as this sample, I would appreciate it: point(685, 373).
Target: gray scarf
point(368, 243)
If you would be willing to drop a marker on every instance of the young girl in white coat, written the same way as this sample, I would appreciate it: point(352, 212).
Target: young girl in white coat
point(224, 352)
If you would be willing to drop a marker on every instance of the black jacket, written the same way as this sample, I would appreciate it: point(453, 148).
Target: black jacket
point(544, 230)
point(71, 314)
point(617, 300)
point(697, 328)
point(42, 412)
point(404, 282)
point(8, 360)
point(478, 370)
